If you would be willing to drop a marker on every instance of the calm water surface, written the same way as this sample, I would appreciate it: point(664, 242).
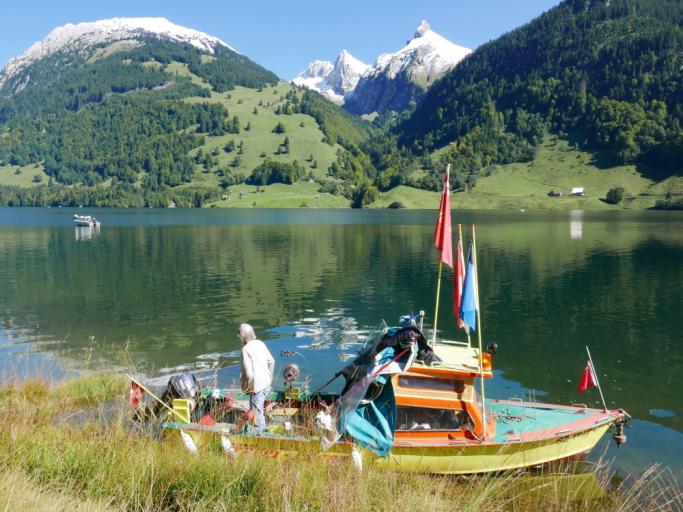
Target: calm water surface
point(167, 289)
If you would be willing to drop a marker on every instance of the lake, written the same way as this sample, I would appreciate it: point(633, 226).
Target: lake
point(164, 290)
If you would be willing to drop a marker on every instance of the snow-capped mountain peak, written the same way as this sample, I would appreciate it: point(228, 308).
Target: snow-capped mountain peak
point(83, 35)
point(422, 29)
point(427, 55)
point(345, 59)
point(317, 69)
point(396, 79)
point(402, 75)
point(333, 80)
point(346, 73)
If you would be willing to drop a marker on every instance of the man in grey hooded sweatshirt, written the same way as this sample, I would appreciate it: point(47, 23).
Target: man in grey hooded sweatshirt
point(257, 372)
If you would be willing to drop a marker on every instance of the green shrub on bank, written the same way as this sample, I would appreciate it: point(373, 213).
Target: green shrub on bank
point(270, 172)
point(669, 204)
point(615, 195)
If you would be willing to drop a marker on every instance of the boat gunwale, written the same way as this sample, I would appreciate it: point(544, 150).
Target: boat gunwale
point(594, 418)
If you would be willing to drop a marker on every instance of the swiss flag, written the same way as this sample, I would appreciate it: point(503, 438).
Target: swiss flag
point(588, 379)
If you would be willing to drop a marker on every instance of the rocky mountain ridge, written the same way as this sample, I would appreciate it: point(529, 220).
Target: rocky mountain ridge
point(80, 37)
point(393, 81)
point(336, 80)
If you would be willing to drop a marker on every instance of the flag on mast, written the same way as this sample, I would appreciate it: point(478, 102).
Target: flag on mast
point(588, 379)
point(469, 305)
point(458, 281)
point(442, 231)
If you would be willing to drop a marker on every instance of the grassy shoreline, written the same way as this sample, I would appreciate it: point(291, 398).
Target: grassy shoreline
point(61, 444)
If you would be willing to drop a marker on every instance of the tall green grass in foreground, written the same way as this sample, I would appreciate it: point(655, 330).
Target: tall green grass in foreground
point(72, 444)
point(18, 493)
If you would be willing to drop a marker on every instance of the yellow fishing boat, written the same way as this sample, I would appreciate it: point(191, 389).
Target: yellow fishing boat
point(417, 411)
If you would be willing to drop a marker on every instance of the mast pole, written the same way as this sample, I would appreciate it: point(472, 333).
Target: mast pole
point(597, 382)
point(447, 192)
point(457, 315)
point(436, 307)
point(481, 354)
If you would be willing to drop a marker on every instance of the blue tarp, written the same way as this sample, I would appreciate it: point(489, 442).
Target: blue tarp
point(371, 424)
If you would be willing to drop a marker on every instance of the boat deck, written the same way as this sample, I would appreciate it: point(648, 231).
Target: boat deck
point(455, 357)
point(518, 421)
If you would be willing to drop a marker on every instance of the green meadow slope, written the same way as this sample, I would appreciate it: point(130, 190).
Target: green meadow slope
point(22, 175)
point(255, 109)
point(278, 195)
point(557, 166)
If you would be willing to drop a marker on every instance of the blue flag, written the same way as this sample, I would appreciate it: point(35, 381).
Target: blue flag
point(468, 305)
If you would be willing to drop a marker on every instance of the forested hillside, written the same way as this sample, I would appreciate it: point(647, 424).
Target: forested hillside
point(605, 74)
point(95, 118)
point(132, 122)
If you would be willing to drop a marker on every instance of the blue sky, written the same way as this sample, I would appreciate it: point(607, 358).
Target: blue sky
point(284, 36)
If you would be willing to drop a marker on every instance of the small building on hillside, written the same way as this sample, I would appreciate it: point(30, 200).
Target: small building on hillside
point(555, 193)
point(577, 191)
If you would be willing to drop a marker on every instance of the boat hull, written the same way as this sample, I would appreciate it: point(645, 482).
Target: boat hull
point(486, 458)
point(463, 458)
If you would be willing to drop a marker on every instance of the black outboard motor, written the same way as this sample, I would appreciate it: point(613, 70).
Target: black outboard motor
point(183, 385)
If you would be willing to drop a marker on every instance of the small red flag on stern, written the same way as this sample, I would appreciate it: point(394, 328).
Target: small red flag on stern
point(588, 379)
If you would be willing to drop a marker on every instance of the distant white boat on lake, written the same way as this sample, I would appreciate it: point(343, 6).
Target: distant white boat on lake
point(86, 220)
